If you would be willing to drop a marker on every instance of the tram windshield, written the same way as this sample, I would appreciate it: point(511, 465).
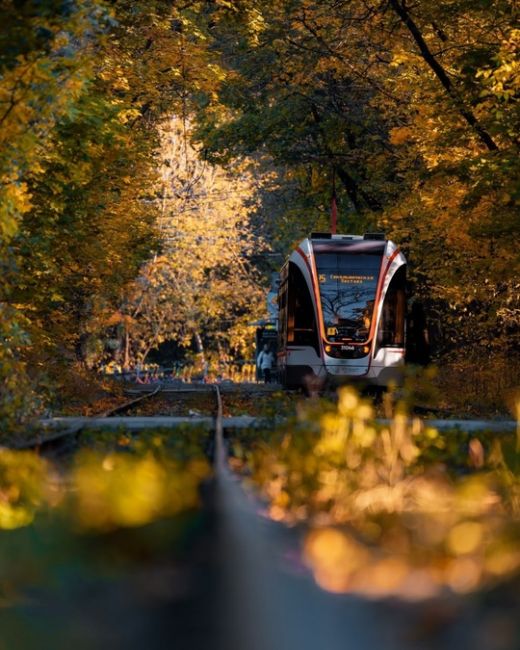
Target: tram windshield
point(348, 284)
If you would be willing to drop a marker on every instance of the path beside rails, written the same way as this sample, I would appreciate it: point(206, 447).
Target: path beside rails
point(470, 426)
point(136, 423)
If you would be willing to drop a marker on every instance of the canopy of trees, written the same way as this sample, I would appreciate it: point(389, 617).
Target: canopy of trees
point(415, 109)
point(106, 221)
point(80, 94)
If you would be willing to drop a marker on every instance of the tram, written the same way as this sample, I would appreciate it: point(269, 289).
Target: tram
point(342, 311)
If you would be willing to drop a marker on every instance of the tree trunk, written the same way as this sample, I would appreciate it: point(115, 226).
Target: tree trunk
point(126, 356)
point(200, 350)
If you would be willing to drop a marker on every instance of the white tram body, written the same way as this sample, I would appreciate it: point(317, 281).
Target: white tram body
point(342, 310)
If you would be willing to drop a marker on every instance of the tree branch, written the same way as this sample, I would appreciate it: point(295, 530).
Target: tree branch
point(354, 191)
point(401, 10)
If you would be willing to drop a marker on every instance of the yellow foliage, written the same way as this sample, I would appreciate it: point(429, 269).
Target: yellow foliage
point(380, 521)
point(24, 487)
point(401, 134)
point(200, 284)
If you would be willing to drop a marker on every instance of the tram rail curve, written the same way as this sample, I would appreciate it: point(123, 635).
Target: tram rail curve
point(65, 440)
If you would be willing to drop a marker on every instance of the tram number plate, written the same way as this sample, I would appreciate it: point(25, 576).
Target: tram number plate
point(348, 348)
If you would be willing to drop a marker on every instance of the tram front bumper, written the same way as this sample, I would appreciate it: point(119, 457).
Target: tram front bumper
point(346, 367)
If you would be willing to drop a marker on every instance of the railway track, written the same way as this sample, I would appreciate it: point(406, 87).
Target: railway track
point(60, 434)
point(264, 599)
point(246, 615)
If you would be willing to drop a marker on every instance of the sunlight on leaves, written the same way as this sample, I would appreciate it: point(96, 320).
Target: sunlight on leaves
point(121, 490)
point(386, 513)
point(104, 490)
point(25, 485)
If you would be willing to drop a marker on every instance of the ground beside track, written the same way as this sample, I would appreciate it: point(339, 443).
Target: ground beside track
point(169, 579)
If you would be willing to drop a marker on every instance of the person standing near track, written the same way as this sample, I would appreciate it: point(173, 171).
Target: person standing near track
point(265, 363)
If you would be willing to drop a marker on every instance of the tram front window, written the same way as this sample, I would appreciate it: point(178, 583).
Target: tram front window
point(348, 284)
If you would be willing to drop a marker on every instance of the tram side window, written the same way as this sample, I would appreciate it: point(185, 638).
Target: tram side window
point(301, 322)
point(391, 330)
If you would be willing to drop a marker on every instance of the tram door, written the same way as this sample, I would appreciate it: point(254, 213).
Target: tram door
point(265, 336)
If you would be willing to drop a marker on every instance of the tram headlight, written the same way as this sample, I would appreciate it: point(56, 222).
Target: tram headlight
point(366, 349)
point(328, 348)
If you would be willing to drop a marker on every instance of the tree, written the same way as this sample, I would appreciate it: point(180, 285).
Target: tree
point(45, 63)
point(201, 284)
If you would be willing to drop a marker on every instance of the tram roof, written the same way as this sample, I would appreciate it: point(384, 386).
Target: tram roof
point(368, 236)
point(328, 243)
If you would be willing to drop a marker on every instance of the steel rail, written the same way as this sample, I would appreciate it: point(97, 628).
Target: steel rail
point(125, 407)
point(259, 598)
point(220, 449)
point(60, 441)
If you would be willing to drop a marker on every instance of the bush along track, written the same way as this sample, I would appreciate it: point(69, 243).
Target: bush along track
point(398, 509)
